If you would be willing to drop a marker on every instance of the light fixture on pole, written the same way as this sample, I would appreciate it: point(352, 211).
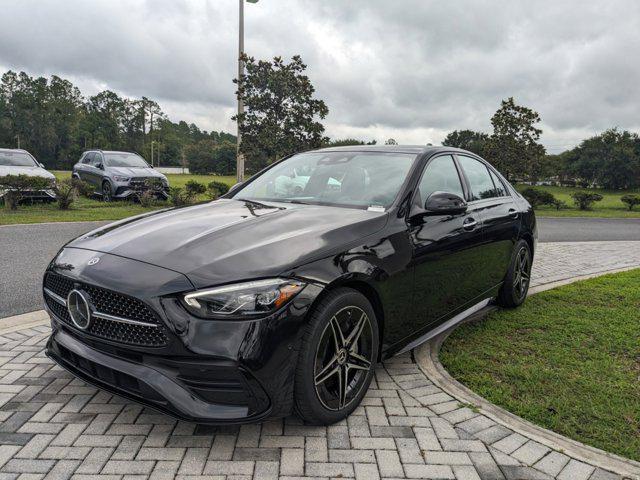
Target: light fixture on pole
point(239, 156)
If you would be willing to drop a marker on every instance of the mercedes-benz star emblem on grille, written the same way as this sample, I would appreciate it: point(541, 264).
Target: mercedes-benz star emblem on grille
point(93, 261)
point(79, 309)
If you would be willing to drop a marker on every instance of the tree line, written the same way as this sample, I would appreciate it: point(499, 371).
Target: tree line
point(53, 120)
point(610, 159)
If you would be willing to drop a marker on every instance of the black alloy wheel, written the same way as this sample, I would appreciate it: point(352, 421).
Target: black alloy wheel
point(516, 283)
point(343, 358)
point(339, 352)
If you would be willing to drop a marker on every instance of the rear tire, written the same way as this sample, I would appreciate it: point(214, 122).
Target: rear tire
point(337, 359)
point(516, 283)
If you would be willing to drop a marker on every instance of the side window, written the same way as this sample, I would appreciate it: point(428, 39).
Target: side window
point(479, 178)
point(440, 175)
point(97, 159)
point(88, 158)
point(501, 191)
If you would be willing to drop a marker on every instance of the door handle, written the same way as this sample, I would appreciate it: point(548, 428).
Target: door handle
point(469, 224)
point(513, 213)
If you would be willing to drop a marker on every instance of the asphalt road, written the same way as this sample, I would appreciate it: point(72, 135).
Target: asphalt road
point(25, 251)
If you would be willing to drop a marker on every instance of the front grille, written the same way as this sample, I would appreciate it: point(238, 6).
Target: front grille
point(145, 182)
point(110, 303)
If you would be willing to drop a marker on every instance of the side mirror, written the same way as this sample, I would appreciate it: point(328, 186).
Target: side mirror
point(235, 187)
point(100, 166)
point(443, 203)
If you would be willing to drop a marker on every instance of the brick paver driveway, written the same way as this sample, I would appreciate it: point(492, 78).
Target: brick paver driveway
point(55, 426)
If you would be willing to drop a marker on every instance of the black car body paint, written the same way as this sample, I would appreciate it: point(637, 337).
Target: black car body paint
point(417, 272)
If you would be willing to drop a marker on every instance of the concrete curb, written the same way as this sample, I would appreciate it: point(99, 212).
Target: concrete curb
point(26, 320)
point(426, 356)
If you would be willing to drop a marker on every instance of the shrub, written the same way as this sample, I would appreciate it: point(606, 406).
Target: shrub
point(538, 197)
point(147, 196)
point(585, 200)
point(67, 191)
point(16, 186)
point(179, 197)
point(631, 201)
point(194, 188)
point(216, 189)
point(559, 204)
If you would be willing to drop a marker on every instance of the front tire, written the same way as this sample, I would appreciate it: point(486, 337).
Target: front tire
point(516, 283)
point(106, 191)
point(337, 358)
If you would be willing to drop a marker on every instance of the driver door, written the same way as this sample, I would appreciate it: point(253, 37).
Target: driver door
point(446, 248)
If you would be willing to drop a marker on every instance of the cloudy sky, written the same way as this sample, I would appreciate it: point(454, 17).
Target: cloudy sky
point(408, 69)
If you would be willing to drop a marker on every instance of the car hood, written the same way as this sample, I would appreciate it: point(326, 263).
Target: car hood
point(229, 240)
point(30, 171)
point(134, 172)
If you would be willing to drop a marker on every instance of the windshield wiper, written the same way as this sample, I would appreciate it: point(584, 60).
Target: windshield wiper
point(253, 202)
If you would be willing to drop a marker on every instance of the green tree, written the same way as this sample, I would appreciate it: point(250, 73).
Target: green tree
point(281, 115)
point(611, 159)
point(513, 147)
point(470, 140)
point(345, 142)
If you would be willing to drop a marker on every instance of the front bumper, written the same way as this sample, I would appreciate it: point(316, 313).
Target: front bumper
point(208, 371)
point(148, 385)
point(123, 191)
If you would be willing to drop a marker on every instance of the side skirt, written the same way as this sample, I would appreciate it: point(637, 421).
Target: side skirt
point(445, 326)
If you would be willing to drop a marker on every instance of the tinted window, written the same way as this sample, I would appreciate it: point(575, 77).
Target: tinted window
point(358, 179)
point(124, 160)
point(16, 159)
point(440, 175)
point(87, 158)
point(500, 189)
point(97, 158)
point(479, 178)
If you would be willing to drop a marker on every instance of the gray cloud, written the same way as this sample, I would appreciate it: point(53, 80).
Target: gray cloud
point(411, 69)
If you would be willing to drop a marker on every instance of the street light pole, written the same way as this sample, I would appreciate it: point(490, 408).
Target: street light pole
point(239, 156)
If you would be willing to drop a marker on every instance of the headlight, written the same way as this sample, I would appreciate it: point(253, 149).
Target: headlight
point(260, 297)
point(118, 178)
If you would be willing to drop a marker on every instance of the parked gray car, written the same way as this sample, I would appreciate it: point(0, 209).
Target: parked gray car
point(21, 162)
point(119, 175)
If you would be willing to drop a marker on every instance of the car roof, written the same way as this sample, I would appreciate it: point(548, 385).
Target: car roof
point(108, 151)
point(15, 150)
point(415, 149)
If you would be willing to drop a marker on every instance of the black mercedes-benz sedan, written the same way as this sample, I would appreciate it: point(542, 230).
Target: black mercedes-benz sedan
point(282, 296)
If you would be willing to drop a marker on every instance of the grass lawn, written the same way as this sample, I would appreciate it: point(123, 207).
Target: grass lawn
point(567, 360)
point(86, 209)
point(610, 206)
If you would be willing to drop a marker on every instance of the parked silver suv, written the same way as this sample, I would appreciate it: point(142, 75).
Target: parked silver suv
point(21, 162)
point(119, 175)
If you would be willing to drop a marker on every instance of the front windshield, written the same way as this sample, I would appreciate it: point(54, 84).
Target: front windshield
point(350, 179)
point(16, 159)
point(124, 160)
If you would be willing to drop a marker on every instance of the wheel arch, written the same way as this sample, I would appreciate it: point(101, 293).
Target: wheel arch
point(364, 287)
point(528, 237)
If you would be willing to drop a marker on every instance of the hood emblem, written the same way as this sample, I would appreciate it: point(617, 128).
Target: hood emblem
point(93, 261)
point(79, 309)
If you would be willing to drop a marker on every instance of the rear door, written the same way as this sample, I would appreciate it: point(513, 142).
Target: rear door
point(84, 167)
point(499, 216)
point(95, 173)
point(446, 248)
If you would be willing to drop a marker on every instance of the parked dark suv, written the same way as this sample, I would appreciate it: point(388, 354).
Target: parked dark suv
point(284, 294)
point(119, 175)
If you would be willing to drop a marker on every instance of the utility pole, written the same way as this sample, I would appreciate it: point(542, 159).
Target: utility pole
point(239, 156)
